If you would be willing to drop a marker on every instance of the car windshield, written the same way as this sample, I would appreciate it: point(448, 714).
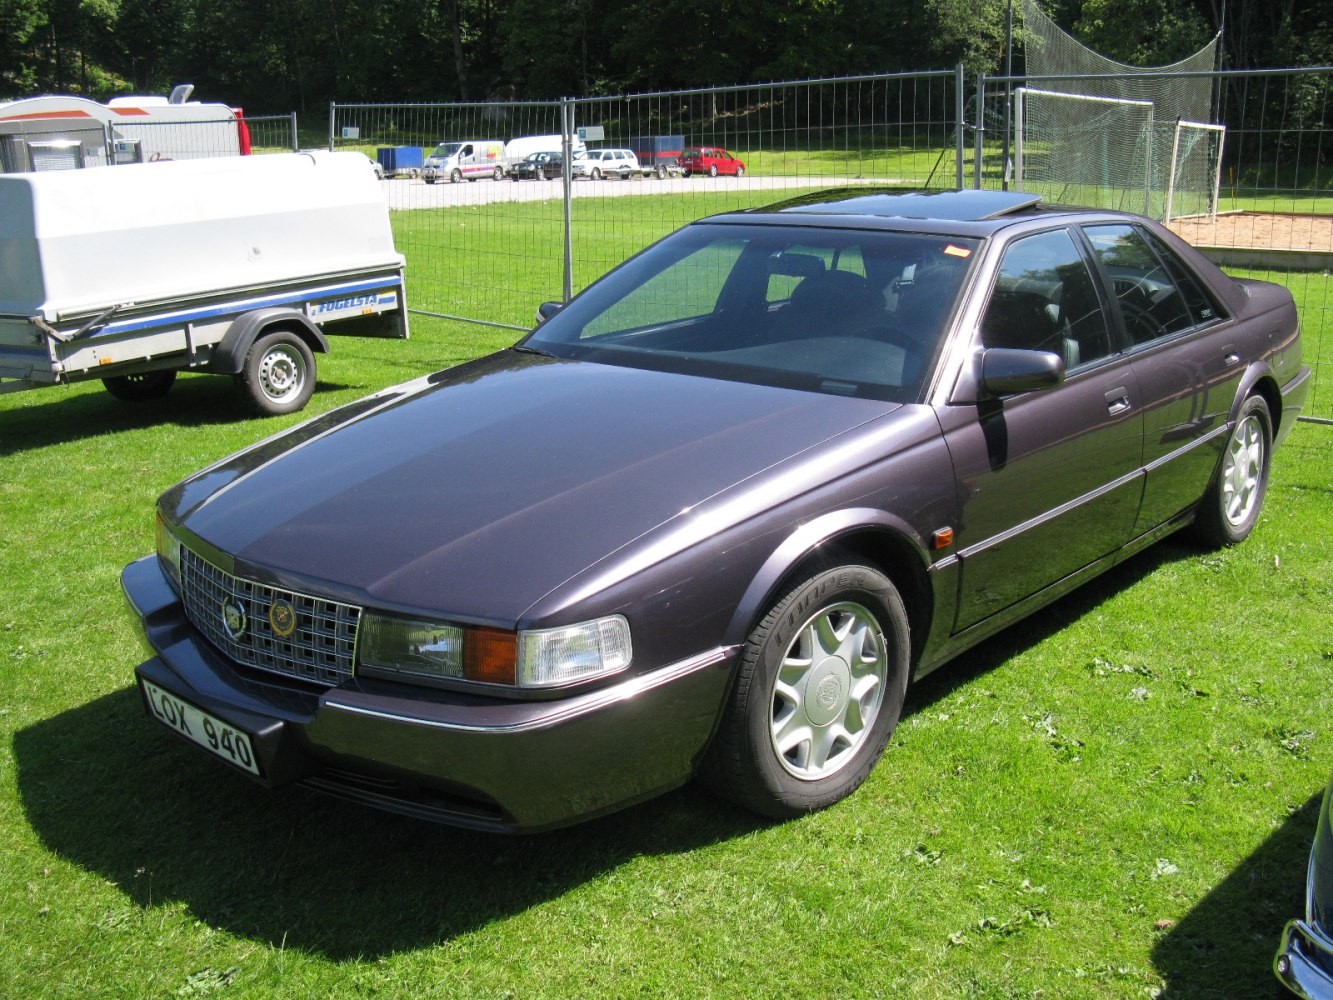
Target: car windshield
point(447, 149)
point(847, 312)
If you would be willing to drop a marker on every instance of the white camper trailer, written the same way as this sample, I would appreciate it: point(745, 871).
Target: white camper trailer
point(234, 266)
point(55, 132)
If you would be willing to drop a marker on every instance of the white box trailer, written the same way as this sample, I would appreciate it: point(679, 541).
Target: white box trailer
point(235, 266)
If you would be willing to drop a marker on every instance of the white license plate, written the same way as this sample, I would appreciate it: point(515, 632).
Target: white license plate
point(196, 725)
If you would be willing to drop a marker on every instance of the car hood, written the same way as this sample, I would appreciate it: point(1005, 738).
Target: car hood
point(480, 490)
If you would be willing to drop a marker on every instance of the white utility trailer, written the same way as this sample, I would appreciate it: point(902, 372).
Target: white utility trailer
point(237, 266)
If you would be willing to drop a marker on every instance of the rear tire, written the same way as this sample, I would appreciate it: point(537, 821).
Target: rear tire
point(712, 171)
point(279, 373)
point(818, 691)
point(137, 388)
point(1231, 504)
point(498, 173)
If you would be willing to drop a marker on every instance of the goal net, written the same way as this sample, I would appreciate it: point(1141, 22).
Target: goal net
point(1082, 150)
point(1111, 135)
point(1195, 177)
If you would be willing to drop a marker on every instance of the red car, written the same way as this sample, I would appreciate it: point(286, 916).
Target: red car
point(710, 160)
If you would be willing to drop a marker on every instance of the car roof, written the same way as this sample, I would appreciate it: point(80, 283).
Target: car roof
point(967, 212)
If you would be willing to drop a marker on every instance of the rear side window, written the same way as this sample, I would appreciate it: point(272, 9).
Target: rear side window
point(1158, 295)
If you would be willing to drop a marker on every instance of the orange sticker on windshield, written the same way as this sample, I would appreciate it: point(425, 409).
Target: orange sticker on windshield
point(954, 251)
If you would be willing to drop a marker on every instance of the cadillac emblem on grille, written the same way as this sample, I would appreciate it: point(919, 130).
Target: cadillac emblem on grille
point(234, 619)
point(282, 618)
point(270, 628)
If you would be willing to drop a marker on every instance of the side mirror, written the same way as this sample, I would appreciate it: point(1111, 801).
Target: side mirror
point(548, 309)
point(1006, 371)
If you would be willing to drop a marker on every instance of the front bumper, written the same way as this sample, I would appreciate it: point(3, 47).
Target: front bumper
point(461, 759)
point(1304, 959)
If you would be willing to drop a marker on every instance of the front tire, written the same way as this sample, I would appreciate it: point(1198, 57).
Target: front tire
point(279, 373)
point(1231, 505)
point(456, 176)
point(137, 388)
point(740, 172)
point(818, 692)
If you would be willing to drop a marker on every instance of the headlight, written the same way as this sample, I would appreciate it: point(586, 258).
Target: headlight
point(169, 552)
point(555, 656)
point(536, 658)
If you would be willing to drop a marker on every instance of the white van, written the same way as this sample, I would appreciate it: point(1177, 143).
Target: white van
point(517, 149)
point(471, 158)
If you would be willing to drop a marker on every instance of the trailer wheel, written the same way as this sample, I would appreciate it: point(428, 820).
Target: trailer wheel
point(136, 388)
point(279, 373)
point(661, 171)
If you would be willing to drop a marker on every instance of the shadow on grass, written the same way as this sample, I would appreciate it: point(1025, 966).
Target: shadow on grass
point(1224, 947)
point(104, 788)
point(66, 414)
point(111, 792)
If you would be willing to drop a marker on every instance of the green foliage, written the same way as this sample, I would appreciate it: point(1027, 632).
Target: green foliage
point(283, 55)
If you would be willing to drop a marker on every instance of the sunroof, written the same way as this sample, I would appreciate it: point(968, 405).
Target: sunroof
point(954, 206)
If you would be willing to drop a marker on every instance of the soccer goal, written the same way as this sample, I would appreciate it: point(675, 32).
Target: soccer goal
point(1195, 180)
point(1080, 149)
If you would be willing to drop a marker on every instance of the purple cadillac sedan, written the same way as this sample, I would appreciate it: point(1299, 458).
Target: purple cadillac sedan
point(712, 516)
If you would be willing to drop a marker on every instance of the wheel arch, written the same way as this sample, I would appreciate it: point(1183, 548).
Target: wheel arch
point(871, 536)
point(1260, 381)
point(229, 355)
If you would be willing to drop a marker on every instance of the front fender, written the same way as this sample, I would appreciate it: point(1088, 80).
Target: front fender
point(803, 543)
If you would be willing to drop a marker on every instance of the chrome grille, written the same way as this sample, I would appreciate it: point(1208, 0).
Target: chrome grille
point(320, 648)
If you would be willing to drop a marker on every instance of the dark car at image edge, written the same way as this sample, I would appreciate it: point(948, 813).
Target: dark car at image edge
point(713, 514)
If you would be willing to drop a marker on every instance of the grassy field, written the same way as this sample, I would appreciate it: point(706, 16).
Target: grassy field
point(1114, 799)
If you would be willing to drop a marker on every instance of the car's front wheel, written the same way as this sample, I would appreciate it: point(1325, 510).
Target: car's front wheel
point(818, 692)
point(1230, 507)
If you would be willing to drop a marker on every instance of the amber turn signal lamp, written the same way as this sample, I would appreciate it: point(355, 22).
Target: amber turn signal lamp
point(490, 655)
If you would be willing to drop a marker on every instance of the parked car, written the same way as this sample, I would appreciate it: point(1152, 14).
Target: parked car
point(710, 160)
point(467, 160)
point(598, 163)
point(538, 166)
point(1304, 961)
point(716, 512)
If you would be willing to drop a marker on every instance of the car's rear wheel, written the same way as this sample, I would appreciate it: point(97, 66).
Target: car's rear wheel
point(1230, 507)
point(712, 171)
point(818, 691)
point(498, 173)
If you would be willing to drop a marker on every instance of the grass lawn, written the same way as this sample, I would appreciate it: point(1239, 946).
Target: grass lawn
point(1114, 799)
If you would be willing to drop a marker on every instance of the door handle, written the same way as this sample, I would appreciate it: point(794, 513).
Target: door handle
point(1117, 401)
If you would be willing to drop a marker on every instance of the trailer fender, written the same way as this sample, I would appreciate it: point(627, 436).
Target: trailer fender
point(229, 356)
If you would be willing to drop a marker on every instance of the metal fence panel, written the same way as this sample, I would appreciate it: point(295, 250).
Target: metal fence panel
point(491, 251)
point(1275, 188)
